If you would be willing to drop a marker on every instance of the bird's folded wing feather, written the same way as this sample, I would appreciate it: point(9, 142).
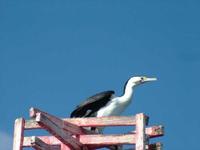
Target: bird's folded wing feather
point(92, 104)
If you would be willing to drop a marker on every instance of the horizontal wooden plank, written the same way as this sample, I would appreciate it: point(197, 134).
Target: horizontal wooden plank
point(48, 140)
point(31, 124)
point(153, 131)
point(98, 140)
point(104, 121)
point(108, 139)
point(90, 122)
point(51, 140)
point(93, 121)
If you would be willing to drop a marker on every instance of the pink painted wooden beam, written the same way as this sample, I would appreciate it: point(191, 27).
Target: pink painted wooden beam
point(51, 140)
point(38, 144)
point(55, 128)
point(18, 134)
point(105, 140)
point(69, 134)
point(98, 140)
point(140, 132)
point(91, 142)
point(153, 131)
point(74, 129)
point(103, 121)
point(83, 122)
point(90, 122)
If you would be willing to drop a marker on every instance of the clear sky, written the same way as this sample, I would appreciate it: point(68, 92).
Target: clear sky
point(54, 54)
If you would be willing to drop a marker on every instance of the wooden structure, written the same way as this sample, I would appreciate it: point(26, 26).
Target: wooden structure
point(69, 134)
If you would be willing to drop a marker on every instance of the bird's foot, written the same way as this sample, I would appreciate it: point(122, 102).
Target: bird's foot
point(115, 147)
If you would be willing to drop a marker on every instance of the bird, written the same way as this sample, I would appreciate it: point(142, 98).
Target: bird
point(106, 103)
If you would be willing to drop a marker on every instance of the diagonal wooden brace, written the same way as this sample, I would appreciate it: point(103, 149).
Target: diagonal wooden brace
point(55, 127)
point(74, 129)
point(38, 144)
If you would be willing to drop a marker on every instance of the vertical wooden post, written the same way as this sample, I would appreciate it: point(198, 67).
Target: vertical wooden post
point(140, 132)
point(18, 134)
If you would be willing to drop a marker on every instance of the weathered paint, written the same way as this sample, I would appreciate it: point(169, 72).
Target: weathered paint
point(18, 134)
point(90, 122)
point(39, 144)
point(56, 129)
point(140, 132)
point(153, 131)
point(68, 134)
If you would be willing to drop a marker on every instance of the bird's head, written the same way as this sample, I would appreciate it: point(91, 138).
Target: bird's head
point(134, 81)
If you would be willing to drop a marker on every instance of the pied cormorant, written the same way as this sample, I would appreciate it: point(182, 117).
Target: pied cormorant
point(106, 103)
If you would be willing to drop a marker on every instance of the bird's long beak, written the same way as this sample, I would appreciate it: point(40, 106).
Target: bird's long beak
point(149, 79)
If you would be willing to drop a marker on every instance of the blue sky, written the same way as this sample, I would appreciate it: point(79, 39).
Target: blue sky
point(54, 54)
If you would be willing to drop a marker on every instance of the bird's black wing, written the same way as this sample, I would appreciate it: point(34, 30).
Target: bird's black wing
point(89, 107)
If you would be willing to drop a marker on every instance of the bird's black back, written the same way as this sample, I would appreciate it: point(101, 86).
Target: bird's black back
point(89, 107)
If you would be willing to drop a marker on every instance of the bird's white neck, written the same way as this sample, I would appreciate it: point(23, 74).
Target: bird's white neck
point(128, 93)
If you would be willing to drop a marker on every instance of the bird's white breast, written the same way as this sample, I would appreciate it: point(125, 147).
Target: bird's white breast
point(114, 108)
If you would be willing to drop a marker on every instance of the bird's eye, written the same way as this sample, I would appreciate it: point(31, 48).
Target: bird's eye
point(142, 78)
